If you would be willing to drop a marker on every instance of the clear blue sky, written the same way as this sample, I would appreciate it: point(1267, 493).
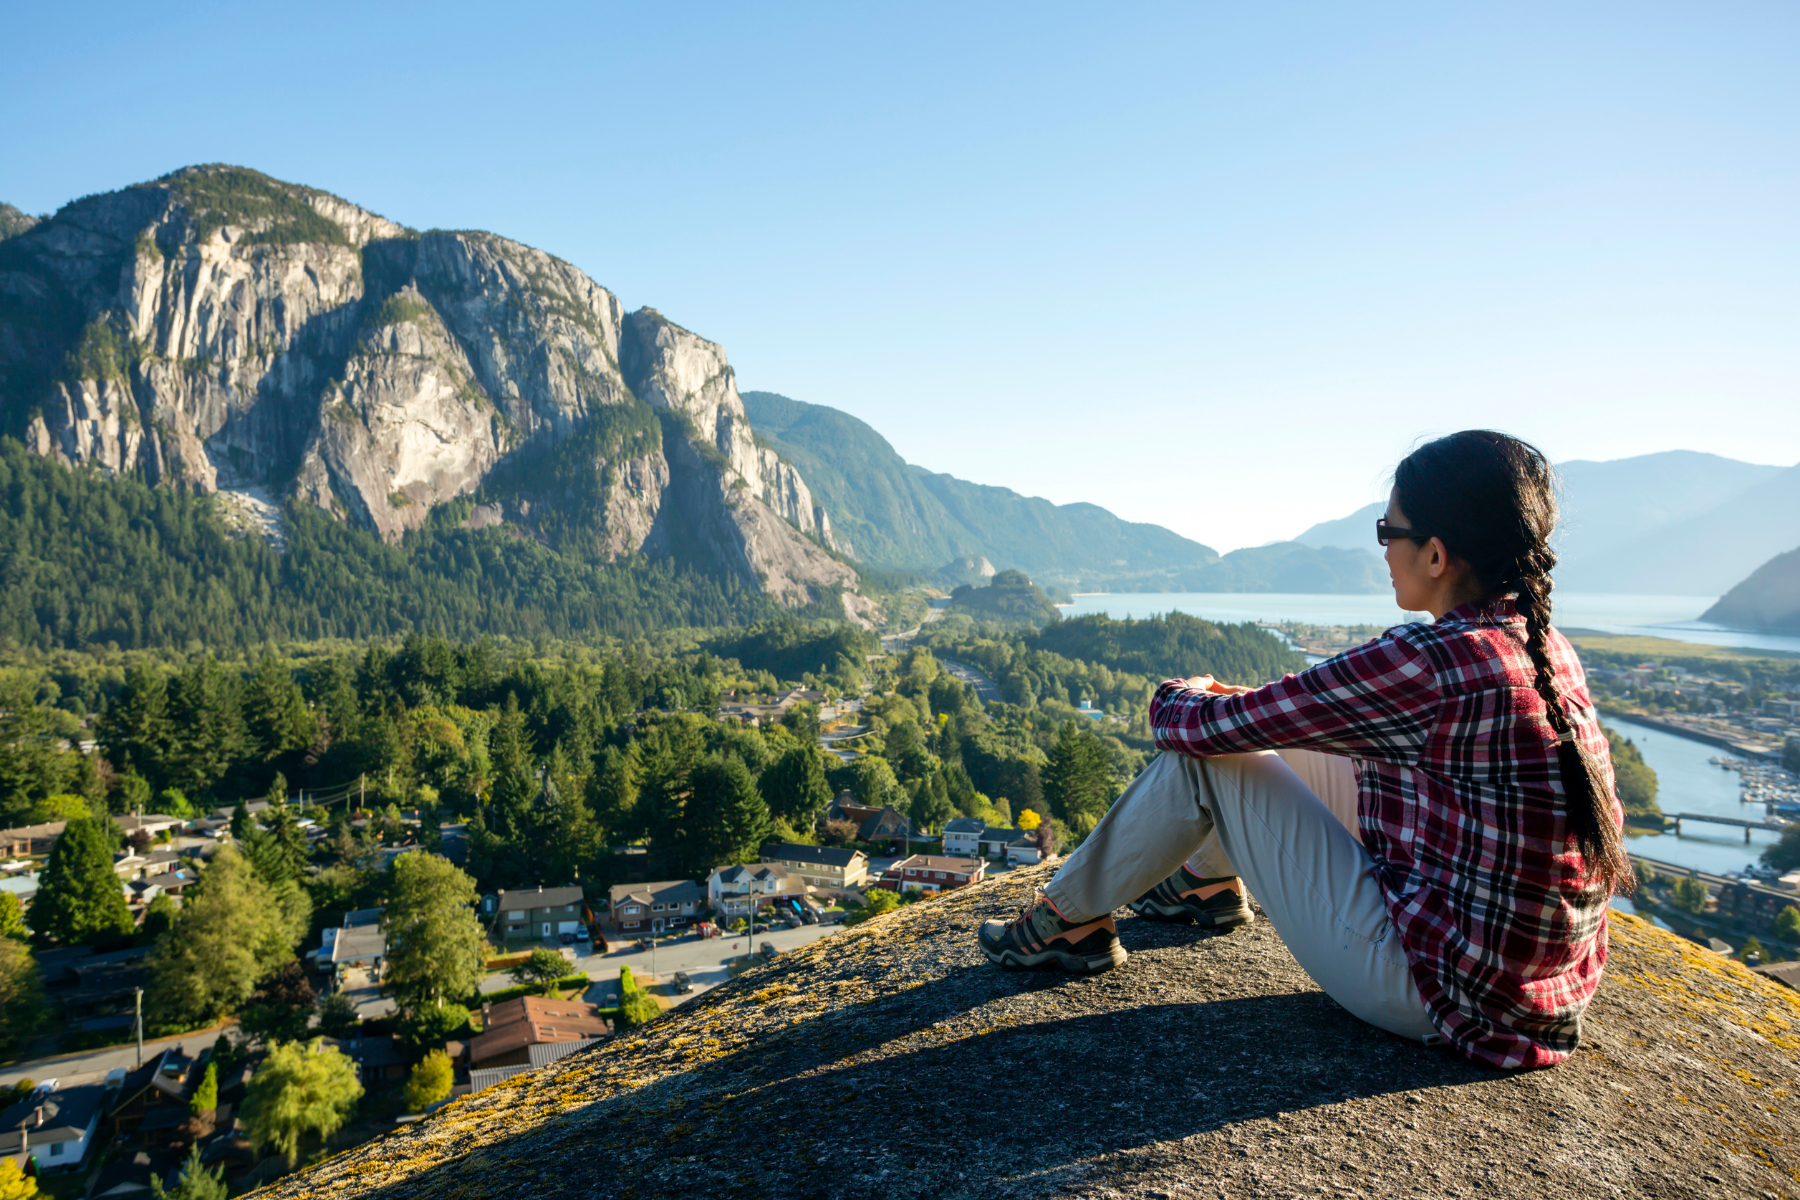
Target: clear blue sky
point(1213, 266)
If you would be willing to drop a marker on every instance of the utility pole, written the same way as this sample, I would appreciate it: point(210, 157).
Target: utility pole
point(138, 1003)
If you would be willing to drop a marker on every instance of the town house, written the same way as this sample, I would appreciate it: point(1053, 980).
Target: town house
point(820, 866)
point(734, 891)
point(656, 907)
point(932, 873)
point(540, 912)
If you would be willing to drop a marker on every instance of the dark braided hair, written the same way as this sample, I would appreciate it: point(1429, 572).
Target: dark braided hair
point(1491, 498)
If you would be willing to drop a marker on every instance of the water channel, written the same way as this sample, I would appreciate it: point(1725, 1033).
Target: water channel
point(1672, 617)
point(1687, 782)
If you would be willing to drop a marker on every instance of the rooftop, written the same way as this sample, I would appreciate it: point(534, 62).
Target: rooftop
point(66, 1116)
point(1208, 1065)
point(540, 897)
point(668, 891)
point(937, 862)
point(535, 1020)
point(830, 856)
point(359, 944)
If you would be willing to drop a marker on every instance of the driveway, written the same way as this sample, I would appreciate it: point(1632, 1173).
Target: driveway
point(365, 991)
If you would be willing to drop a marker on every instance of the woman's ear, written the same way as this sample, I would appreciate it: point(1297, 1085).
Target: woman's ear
point(1439, 564)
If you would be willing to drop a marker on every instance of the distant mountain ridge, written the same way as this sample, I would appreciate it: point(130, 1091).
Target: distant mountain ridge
point(1678, 522)
point(1768, 601)
point(902, 516)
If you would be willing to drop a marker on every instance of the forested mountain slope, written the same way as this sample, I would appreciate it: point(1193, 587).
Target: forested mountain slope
point(1769, 600)
point(903, 516)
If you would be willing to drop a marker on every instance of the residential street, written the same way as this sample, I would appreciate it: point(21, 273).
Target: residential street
point(91, 1066)
point(705, 960)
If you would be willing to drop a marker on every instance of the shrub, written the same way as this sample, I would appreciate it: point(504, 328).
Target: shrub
point(529, 989)
point(431, 1080)
point(206, 1096)
point(1787, 924)
point(1689, 894)
point(876, 902)
point(636, 1006)
point(428, 1028)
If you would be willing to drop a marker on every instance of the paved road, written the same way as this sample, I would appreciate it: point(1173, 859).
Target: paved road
point(984, 687)
point(91, 1066)
point(705, 960)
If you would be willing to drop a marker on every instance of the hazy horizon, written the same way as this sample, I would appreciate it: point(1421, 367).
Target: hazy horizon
point(1215, 271)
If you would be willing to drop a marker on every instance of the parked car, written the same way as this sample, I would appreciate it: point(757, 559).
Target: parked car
point(643, 943)
point(581, 933)
point(682, 982)
point(769, 951)
point(811, 917)
point(567, 939)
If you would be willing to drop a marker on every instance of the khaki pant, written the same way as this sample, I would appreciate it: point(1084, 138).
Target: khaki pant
point(1254, 816)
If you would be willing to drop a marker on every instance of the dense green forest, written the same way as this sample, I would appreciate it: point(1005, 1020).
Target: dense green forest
point(554, 756)
point(87, 559)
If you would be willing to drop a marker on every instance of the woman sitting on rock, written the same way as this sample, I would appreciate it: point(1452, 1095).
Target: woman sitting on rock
point(1473, 908)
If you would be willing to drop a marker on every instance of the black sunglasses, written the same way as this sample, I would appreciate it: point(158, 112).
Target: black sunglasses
point(1385, 533)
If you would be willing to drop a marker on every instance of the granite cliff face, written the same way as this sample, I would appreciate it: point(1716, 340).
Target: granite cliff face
point(893, 1060)
point(222, 331)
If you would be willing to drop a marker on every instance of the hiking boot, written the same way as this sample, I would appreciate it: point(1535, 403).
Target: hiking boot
point(1184, 896)
point(1039, 937)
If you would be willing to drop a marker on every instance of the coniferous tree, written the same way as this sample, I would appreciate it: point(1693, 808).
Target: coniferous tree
point(515, 774)
point(135, 733)
point(32, 765)
point(276, 719)
point(206, 1094)
point(208, 737)
point(906, 752)
point(614, 786)
point(1078, 780)
point(79, 898)
point(566, 830)
point(931, 805)
point(197, 1182)
point(794, 785)
point(728, 819)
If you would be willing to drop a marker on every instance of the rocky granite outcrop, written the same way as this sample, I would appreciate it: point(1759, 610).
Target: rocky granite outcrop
point(14, 220)
point(757, 511)
point(406, 428)
point(220, 330)
point(893, 1060)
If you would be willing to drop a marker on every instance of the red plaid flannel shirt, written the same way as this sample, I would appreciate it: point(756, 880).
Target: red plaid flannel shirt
point(1460, 803)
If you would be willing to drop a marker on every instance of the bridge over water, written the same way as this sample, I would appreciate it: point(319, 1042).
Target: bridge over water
point(1740, 822)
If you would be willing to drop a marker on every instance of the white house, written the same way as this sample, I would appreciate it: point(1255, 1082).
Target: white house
point(57, 1125)
point(733, 891)
point(994, 840)
point(1023, 850)
point(962, 837)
